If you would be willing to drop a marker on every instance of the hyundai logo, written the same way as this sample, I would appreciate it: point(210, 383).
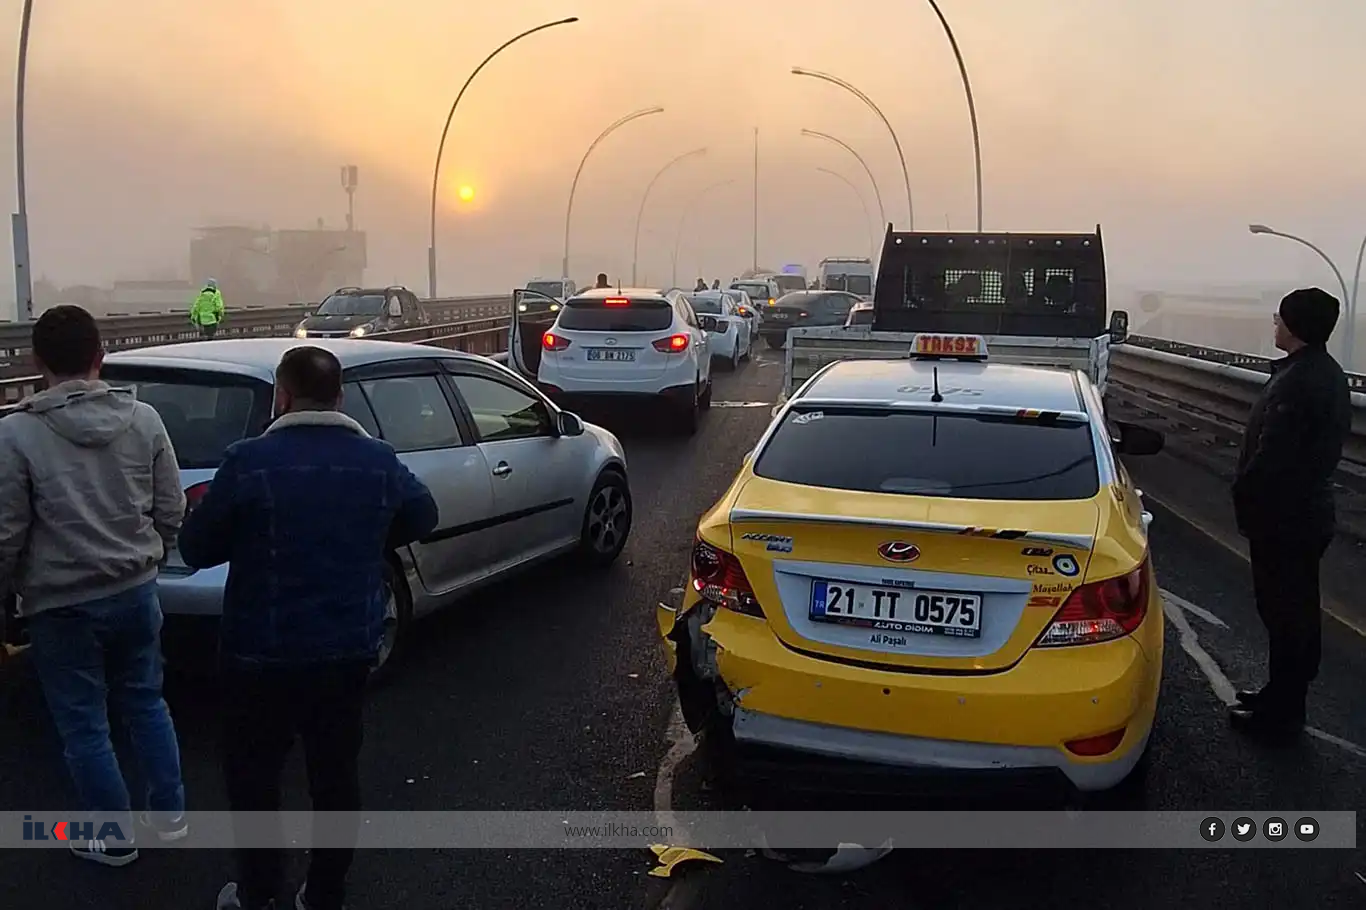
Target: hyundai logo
point(609, 341)
point(899, 551)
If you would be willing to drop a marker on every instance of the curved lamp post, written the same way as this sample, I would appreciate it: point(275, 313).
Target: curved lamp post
point(877, 193)
point(441, 146)
point(635, 248)
point(1349, 298)
point(905, 175)
point(683, 219)
point(573, 187)
point(867, 215)
point(23, 277)
point(972, 106)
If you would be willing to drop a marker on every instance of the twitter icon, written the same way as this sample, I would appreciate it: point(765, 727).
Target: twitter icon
point(1244, 829)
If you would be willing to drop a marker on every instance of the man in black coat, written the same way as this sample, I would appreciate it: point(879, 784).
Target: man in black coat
point(1283, 500)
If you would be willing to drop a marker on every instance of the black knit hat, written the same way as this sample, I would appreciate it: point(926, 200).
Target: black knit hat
point(1310, 314)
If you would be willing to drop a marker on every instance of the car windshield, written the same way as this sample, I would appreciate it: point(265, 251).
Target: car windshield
point(861, 317)
point(788, 283)
point(352, 305)
point(702, 304)
point(204, 413)
point(613, 315)
point(548, 288)
point(854, 284)
point(921, 454)
point(757, 290)
point(799, 298)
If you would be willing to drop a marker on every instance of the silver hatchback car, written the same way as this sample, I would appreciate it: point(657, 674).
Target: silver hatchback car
point(517, 480)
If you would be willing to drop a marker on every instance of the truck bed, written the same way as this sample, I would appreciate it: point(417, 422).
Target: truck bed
point(809, 349)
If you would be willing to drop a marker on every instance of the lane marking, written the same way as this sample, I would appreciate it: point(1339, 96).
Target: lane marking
point(1223, 689)
point(1329, 606)
point(1191, 608)
point(681, 745)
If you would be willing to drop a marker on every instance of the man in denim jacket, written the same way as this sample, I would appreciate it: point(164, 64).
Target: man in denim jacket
point(306, 516)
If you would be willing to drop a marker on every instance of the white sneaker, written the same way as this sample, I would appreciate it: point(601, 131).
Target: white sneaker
point(168, 831)
point(97, 851)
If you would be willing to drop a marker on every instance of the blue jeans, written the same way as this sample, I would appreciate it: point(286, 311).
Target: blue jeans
point(109, 651)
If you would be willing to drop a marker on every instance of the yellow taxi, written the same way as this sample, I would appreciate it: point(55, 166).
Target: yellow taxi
point(932, 563)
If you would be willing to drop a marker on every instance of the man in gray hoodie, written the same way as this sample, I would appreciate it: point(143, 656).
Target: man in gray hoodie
point(90, 501)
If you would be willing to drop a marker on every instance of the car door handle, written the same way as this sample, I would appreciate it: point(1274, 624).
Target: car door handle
point(502, 469)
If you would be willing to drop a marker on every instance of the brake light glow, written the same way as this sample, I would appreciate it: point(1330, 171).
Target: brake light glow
point(552, 342)
point(771, 301)
point(1101, 610)
point(193, 494)
point(720, 579)
point(674, 344)
point(616, 302)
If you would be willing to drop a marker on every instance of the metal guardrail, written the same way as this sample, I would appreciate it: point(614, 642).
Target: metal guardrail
point(120, 333)
point(1212, 394)
point(487, 336)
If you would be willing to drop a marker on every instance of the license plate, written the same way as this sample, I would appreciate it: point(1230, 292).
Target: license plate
point(953, 613)
point(611, 355)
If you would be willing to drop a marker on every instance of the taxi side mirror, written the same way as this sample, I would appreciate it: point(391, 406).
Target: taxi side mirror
point(1119, 327)
point(1132, 439)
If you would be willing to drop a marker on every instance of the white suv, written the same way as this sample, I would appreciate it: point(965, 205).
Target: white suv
point(615, 343)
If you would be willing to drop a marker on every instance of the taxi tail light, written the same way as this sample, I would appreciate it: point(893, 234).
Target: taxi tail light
point(674, 344)
point(720, 579)
point(552, 342)
point(1101, 610)
point(1096, 745)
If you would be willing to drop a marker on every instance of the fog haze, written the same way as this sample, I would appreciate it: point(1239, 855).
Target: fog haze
point(1173, 124)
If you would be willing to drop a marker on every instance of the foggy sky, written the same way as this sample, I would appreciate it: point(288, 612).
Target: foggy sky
point(1173, 123)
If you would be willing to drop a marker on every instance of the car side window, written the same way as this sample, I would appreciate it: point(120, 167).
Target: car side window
point(685, 311)
point(358, 409)
point(501, 412)
point(413, 413)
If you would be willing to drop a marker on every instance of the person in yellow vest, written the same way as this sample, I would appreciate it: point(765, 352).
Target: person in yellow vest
point(207, 310)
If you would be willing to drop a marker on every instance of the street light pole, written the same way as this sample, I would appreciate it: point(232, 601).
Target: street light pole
point(635, 248)
point(877, 193)
point(905, 175)
point(678, 238)
point(1349, 298)
point(573, 187)
point(972, 106)
point(867, 215)
point(441, 146)
point(23, 277)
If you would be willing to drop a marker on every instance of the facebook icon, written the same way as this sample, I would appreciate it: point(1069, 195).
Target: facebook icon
point(1212, 829)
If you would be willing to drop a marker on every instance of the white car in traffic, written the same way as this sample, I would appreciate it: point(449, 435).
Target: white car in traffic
point(517, 480)
point(733, 339)
point(616, 344)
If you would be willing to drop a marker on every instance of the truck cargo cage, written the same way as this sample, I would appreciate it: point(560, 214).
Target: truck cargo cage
point(991, 284)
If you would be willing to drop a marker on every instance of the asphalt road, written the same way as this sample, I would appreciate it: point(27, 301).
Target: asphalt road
point(549, 693)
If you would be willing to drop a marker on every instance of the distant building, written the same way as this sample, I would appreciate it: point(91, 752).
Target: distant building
point(261, 267)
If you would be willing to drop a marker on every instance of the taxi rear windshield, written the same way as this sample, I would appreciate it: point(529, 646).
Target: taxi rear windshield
point(598, 315)
point(920, 454)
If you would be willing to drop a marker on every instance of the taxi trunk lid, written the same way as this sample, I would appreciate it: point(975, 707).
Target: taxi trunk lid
point(937, 584)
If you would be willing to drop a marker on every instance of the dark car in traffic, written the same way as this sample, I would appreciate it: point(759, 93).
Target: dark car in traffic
point(360, 312)
point(802, 309)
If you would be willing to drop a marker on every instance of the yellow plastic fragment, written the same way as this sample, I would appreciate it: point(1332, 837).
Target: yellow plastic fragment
point(670, 857)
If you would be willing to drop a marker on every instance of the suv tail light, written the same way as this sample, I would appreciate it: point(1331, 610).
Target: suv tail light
point(552, 342)
point(674, 344)
point(1101, 610)
point(193, 494)
point(720, 579)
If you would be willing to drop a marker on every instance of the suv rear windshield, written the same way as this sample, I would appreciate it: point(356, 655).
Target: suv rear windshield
point(352, 305)
point(593, 314)
point(861, 317)
point(953, 455)
point(710, 305)
point(788, 283)
point(756, 290)
point(204, 412)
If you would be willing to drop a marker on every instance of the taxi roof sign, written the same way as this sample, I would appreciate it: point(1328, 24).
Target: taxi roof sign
point(935, 346)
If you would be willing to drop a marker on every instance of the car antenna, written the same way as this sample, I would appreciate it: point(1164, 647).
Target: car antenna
point(936, 397)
